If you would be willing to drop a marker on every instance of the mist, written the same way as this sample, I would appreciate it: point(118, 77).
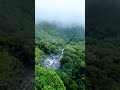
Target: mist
point(66, 12)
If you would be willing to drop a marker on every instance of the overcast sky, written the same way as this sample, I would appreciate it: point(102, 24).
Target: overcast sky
point(64, 11)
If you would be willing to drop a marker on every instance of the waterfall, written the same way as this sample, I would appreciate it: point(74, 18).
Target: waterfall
point(53, 61)
point(62, 51)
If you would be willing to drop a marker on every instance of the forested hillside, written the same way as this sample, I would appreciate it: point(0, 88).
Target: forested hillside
point(16, 48)
point(102, 45)
point(51, 39)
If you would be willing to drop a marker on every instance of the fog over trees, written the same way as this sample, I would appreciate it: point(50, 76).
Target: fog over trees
point(62, 11)
point(60, 25)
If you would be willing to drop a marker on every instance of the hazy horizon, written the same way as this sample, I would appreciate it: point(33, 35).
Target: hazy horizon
point(61, 11)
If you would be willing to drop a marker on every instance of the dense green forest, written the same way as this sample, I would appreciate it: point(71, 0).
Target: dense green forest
point(51, 38)
point(103, 64)
point(102, 45)
point(16, 48)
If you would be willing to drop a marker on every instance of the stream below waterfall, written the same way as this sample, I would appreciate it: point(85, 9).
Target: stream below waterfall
point(53, 61)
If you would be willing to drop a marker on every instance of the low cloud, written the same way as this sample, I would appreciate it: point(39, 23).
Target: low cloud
point(63, 11)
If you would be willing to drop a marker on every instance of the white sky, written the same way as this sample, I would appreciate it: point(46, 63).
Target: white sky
point(65, 11)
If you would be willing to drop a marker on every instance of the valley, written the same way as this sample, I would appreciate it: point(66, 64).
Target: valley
point(60, 50)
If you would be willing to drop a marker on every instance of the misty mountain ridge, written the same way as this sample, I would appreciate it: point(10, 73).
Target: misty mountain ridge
point(59, 23)
point(58, 33)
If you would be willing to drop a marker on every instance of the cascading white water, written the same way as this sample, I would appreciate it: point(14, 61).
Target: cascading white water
point(62, 51)
point(53, 61)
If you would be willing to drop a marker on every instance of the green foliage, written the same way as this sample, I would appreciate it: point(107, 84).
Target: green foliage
point(47, 79)
point(16, 45)
point(48, 87)
point(48, 34)
point(102, 70)
point(68, 82)
point(73, 65)
point(51, 38)
point(11, 71)
point(38, 56)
